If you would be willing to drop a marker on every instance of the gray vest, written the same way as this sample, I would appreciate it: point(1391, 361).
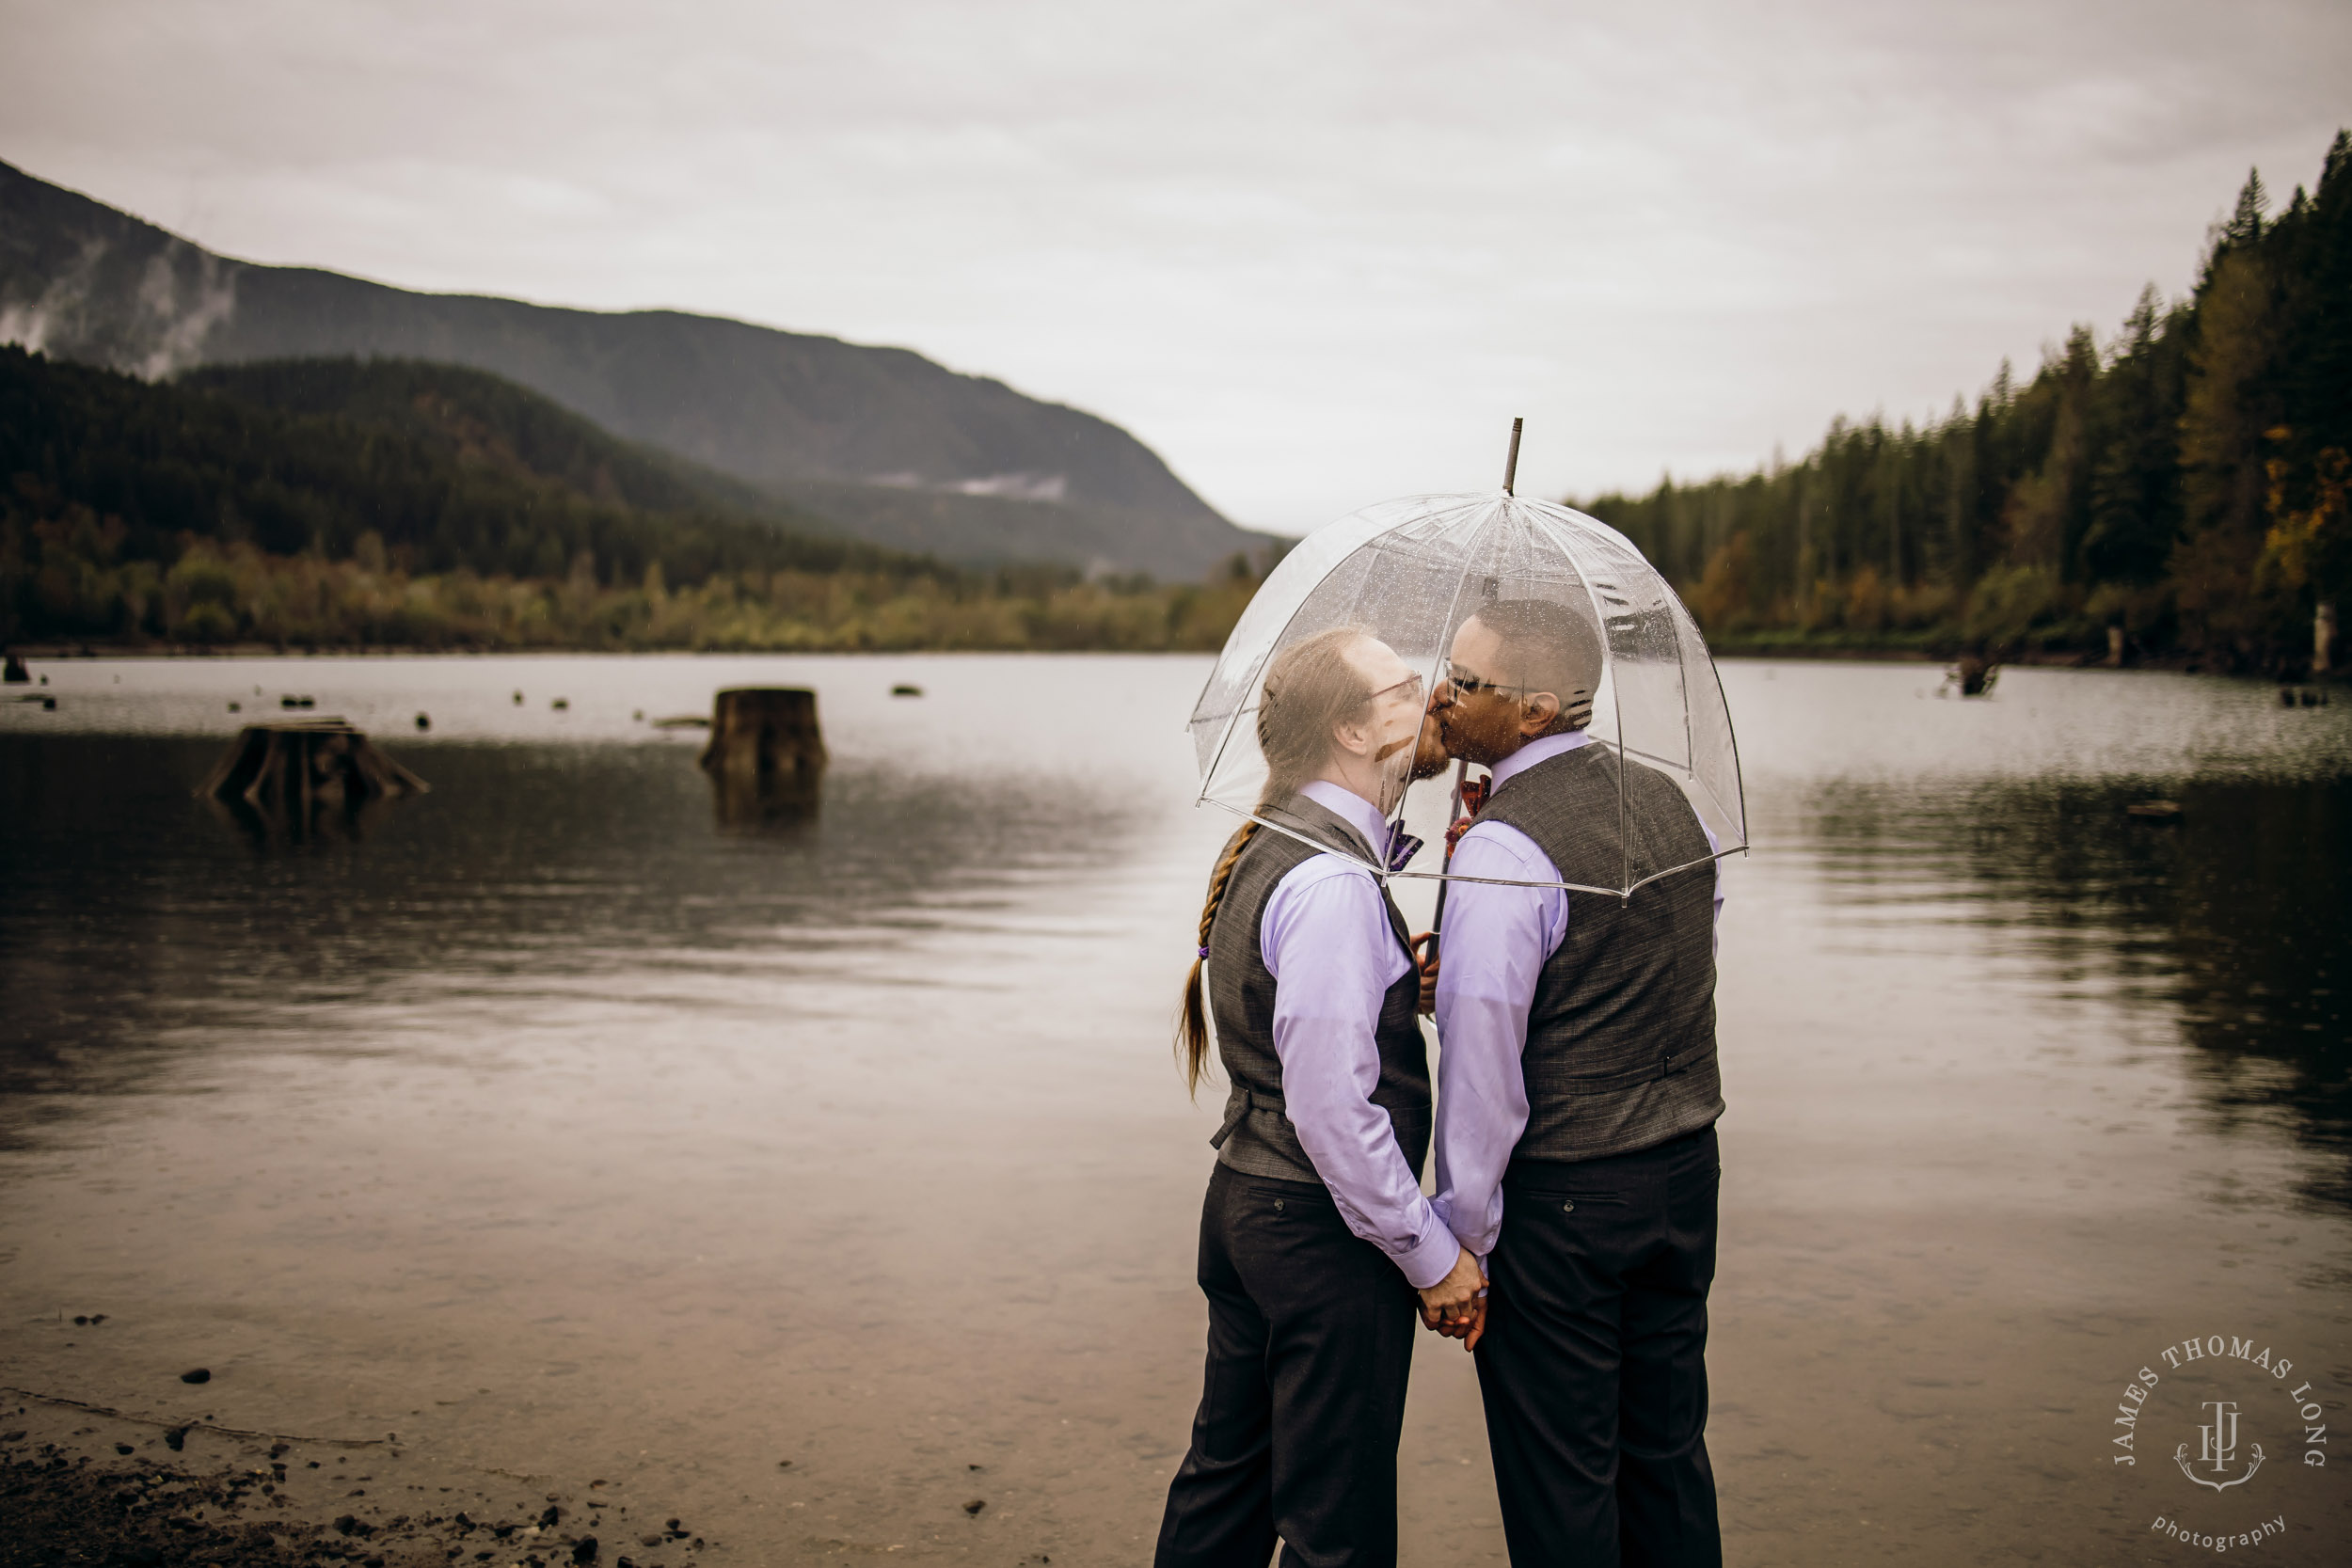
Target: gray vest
point(1257, 1137)
point(1621, 1037)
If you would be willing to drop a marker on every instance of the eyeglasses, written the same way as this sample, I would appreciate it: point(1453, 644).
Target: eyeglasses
point(1408, 689)
point(1469, 685)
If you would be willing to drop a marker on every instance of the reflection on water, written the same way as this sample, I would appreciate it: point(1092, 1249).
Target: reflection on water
point(541, 858)
point(570, 1118)
point(2234, 917)
point(524, 862)
point(281, 826)
point(138, 921)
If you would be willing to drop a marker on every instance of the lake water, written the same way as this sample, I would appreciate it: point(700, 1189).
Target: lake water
point(569, 1132)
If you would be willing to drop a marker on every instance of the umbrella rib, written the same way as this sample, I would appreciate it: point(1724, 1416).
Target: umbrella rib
point(1709, 860)
point(1566, 545)
point(1506, 882)
point(1380, 872)
point(1535, 544)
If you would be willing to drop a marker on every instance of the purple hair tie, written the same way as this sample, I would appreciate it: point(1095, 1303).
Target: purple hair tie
point(1204, 949)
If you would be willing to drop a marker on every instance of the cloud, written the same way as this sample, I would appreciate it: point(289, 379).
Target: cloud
point(1314, 253)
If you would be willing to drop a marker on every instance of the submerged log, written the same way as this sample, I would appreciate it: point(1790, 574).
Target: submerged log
point(766, 756)
point(306, 762)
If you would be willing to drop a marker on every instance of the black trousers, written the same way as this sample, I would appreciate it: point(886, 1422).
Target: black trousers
point(1594, 1363)
point(1310, 1340)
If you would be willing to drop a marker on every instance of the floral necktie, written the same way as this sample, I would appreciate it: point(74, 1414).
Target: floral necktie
point(1475, 792)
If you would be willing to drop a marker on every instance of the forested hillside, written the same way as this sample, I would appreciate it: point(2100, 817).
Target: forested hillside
point(901, 451)
point(2186, 481)
point(437, 506)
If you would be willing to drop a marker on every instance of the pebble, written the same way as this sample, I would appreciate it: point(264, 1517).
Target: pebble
point(197, 1375)
point(976, 1505)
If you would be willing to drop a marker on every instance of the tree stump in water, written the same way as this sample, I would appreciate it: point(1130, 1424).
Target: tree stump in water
point(766, 758)
point(1975, 674)
point(303, 763)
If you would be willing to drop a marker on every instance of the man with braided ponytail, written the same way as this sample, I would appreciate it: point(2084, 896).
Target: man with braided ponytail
point(1314, 1236)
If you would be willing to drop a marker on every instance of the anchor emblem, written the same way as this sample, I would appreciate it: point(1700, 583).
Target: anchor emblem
point(2219, 1447)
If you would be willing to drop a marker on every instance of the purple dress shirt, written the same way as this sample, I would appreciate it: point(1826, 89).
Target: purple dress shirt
point(1497, 941)
point(1326, 941)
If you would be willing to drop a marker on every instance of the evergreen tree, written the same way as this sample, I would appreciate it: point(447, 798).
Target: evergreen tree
point(2231, 404)
point(2135, 504)
point(2186, 483)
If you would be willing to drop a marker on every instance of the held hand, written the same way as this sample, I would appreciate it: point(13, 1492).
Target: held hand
point(1452, 1302)
point(1477, 1329)
point(1469, 1330)
point(1425, 954)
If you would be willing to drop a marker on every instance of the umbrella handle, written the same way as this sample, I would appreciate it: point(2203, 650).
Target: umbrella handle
point(1461, 775)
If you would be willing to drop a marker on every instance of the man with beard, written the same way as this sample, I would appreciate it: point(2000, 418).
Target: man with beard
point(1577, 1094)
point(1314, 1235)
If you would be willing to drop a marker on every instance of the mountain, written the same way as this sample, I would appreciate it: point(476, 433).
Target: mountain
point(347, 503)
point(488, 421)
point(447, 469)
point(891, 448)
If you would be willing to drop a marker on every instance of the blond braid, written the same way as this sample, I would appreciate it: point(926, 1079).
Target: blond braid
point(1192, 1024)
point(1309, 687)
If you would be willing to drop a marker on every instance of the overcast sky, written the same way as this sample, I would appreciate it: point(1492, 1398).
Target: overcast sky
point(1315, 254)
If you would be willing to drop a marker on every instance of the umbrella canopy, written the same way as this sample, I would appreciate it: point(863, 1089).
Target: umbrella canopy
point(1411, 573)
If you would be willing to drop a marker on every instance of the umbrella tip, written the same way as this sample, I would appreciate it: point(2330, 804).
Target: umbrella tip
point(1511, 464)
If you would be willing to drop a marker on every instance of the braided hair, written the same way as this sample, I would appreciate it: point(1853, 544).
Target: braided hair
point(1311, 689)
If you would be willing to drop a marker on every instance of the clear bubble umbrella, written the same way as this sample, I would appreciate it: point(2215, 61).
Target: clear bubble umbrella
point(1410, 573)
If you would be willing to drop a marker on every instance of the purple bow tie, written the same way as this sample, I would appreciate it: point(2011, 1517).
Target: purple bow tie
point(1401, 846)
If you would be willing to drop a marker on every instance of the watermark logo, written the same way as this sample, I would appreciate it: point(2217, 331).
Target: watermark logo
point(2221, 1447)
point(2218, 1437)
point(2221, 1407)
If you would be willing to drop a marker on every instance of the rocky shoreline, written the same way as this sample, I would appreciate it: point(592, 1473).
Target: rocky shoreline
point(79, 1486)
